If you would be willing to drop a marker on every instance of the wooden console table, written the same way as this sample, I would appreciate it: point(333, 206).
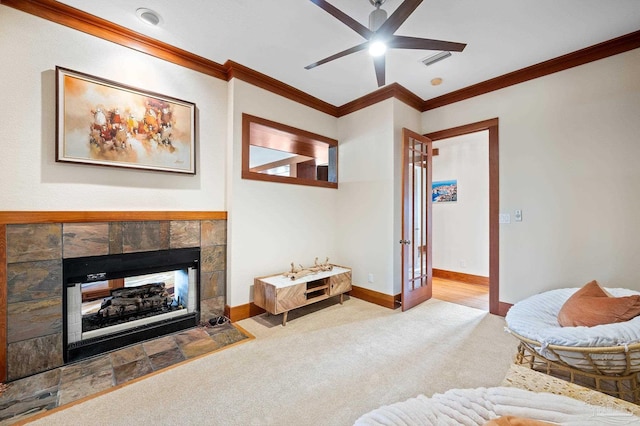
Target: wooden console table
point(278, 294)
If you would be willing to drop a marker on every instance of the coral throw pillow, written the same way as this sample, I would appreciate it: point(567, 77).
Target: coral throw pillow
point(592, 305)
point(516, 421)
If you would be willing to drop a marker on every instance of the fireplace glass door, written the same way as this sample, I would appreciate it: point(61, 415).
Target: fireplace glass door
point(114, 305)
point(113, 301)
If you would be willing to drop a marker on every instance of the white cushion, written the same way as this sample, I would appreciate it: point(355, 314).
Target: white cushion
point(536, 318)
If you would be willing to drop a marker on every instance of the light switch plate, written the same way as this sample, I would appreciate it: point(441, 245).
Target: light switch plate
point(505, 218)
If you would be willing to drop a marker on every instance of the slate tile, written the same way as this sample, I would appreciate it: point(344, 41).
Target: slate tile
point(210, 308)
point(212, 284)
point(189, 336)
point(165, 359)
point(132, 370)
point(27, 243)
point(86, 367)
point(85, 239)
point(34, 280)
point(184, 233)
point(30, 386)
point(85, 386)
point(144, 236)
point(161, 344)
point(214, 233)
point(31, 319)
point(213, 258)
point(33, 356)
point(127, 355)
point(115, 238)
point(199, 347)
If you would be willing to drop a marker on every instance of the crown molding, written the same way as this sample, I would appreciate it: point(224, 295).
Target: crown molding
point(246, 74)
point(580, 57)
point(76, 19)
point(393, 90)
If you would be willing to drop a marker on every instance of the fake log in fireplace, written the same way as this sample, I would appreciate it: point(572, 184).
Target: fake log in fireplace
point(117, 300)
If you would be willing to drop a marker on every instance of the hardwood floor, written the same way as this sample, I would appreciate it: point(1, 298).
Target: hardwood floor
point(472, 295)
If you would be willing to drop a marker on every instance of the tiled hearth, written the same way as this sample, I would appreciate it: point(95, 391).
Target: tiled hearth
point(34, 254)
point(27, 397)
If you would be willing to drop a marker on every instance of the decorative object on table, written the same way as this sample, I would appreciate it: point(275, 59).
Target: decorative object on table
point(300, 272)
point(109, 124)
point(444, 191)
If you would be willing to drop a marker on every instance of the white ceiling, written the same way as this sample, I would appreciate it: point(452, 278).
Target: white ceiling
point(280, 37)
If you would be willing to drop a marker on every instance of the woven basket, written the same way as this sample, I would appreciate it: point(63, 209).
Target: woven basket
point(612, 370)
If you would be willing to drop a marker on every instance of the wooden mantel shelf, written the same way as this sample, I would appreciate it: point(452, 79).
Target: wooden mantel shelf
point(18, 217)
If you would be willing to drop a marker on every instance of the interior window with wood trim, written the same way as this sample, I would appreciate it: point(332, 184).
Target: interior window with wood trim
point(276, 152)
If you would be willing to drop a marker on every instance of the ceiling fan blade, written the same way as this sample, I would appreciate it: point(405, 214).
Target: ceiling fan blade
point(354, 49)
point(402, 42)
point(378, 64)
point(344, 18)
point(398, 17)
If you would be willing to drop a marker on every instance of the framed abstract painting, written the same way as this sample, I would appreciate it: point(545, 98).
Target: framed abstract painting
point(105, 123)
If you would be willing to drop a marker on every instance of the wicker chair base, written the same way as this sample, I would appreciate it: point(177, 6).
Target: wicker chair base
point(626, 387)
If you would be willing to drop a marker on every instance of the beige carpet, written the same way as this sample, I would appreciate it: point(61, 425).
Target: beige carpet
point(326, 367)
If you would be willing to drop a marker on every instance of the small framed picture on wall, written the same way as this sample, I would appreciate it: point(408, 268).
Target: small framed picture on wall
point(444, 191)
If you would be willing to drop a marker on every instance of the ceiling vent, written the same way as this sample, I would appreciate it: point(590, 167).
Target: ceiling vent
point(430, 60)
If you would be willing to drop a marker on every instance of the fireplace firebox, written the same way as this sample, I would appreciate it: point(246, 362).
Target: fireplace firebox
point(117, 300)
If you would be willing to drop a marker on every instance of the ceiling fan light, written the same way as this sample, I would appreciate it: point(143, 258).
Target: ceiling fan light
point(377, 48)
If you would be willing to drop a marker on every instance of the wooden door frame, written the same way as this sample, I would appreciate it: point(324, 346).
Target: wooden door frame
point(495, 306)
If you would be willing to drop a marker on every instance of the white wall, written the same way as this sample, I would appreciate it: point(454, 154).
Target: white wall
point(569, 149)
point(364, 232)
point(403, 117)
point(461, 229)
point(370, 193)
point(31, 48)
point(273, 224)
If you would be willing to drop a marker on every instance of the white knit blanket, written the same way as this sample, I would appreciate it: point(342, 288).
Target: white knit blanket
point(477, 406)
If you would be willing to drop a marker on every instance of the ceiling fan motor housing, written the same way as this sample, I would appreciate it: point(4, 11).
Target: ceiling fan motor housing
point(377, 18)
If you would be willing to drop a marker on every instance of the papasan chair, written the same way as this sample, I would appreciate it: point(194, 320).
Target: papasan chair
point(589, 336)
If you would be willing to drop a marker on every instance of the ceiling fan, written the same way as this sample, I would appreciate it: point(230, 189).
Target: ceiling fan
point(380, 35)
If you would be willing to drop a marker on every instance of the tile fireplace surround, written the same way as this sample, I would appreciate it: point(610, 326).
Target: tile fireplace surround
point(33, 245)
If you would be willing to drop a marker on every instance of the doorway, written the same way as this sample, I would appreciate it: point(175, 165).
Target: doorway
point(461, 220)
point(495, 307)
